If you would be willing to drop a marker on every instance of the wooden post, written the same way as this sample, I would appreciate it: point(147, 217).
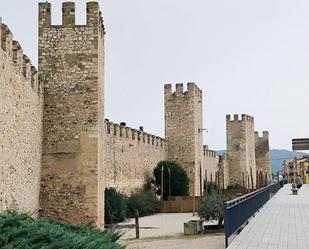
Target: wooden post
point(137, 223)
point(243, 180)
point(162, 175)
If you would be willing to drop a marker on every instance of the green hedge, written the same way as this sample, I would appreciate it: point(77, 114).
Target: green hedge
point(19, 231)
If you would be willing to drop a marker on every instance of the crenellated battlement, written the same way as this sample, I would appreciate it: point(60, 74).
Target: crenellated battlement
point(264, 136)
point(192, 90)
point(94, 16)
point(14, 52)
point(242, 118)
point(121, 130)
point(209, 153)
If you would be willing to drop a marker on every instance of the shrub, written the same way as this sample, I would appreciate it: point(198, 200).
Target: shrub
point(179, 179)
point(149, 184)
point(115, 206)
point(234, 186)
point(145, 201)
point(211, 187)
point(211, 206)
point(20, 231)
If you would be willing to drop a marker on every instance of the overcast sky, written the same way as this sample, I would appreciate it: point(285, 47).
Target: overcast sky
point(247, 56)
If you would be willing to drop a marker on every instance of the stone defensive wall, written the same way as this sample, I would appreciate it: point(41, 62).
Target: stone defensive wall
point(21, 102)
point(224, 170)
point(209, 153)
point(210, 165)
point(130, 155)
point(262, 154)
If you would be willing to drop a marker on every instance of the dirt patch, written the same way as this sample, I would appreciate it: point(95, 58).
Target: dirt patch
point(214, 241)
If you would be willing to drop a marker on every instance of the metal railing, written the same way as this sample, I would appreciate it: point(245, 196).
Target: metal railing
point(274, 188)
point(237, 212)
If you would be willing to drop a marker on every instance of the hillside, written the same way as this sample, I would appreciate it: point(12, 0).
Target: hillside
point(277, 156)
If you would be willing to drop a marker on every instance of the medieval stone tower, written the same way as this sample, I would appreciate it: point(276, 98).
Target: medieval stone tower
point(262, 155)
point(71, 64)
point(241, 150)
point(183, 130)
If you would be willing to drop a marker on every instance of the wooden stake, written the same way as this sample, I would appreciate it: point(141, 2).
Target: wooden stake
point(137, 223)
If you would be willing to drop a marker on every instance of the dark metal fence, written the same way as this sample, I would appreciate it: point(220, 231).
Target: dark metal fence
point(237, 212)
point(274, 188)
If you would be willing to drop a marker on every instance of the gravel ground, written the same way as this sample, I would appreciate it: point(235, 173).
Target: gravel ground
point(192, 242)
point(158, 225)
point(166, 231)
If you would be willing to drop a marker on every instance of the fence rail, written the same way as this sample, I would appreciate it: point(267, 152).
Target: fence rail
point(237, 212)
point(178, 204)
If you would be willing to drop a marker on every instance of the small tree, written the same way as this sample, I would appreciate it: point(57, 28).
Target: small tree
point(234, 186)
point(211, 187)
point(115, 206)
point(145, 201)
point(178, 180)
point(211, 205)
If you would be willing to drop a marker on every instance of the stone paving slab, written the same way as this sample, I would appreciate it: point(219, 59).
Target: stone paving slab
point(283, 223)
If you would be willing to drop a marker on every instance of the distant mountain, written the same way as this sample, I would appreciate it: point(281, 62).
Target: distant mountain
point(277, 157)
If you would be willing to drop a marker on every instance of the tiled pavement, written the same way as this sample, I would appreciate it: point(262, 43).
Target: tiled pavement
point(282, 223)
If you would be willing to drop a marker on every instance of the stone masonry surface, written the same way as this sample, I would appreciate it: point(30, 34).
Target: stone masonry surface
point(20, 127)
point(262, 155)
point(210, 165)
point(71, 70)
point(241, 150)
point(183, 130)
point(129, 156)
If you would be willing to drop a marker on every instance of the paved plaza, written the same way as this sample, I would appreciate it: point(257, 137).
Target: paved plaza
point(283, 223)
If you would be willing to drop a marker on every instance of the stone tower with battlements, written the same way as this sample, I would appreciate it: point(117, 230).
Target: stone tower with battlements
point(183, 130)
point(71, 64)
point(262, 155)
point(241, 150)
